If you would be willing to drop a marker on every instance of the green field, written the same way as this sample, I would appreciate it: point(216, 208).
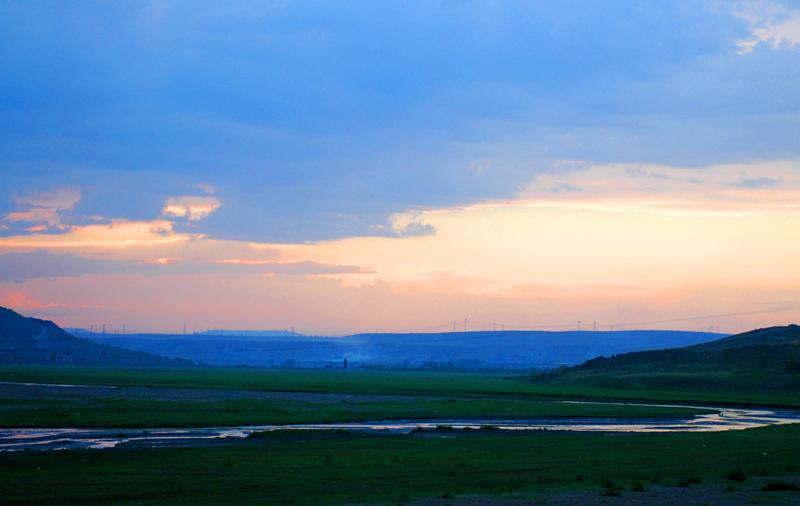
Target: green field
point(393, 469)
point(340, 397)
point(340, 468)
point(386, 383)
point(124, 413)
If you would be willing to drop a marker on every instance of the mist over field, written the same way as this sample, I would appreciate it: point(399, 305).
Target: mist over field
point(470, 351)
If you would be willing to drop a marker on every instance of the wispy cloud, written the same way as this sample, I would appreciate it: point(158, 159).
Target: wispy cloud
point(19, 267)
point(757, 183)
point(720, 189)
point(302, 267)
point(772, 22)
point(190, 207)
point(119, 234)
point(22, 301)
point(46, 209)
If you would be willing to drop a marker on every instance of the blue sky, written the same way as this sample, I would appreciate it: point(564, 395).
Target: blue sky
point(302, 123)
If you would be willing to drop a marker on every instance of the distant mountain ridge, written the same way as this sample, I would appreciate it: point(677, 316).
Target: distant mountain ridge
point(25, 340)
point(464, 350)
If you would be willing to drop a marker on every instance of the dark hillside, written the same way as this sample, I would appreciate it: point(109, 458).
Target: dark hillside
point(773, 335)
point(32, 341)
point(765, 359)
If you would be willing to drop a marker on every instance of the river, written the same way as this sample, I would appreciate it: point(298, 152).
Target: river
point(16, 439)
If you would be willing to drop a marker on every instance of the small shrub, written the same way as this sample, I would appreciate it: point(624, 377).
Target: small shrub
point(638, 486)
point(612, 488)
point(778, 485)
point(609, 483)
point(737, 474)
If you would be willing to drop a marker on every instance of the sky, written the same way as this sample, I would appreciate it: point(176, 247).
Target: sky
point(344, 167)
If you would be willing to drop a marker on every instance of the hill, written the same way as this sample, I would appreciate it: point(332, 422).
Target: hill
point(26, 340)
point(447, 350)
point(789, 334)
point(763, 359)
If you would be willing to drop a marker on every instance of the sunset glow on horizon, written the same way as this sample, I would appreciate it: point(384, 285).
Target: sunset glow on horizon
point(263, 167)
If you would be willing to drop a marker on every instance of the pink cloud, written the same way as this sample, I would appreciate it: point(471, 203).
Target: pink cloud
point(308, 267)
point(21, 301)
point(192, 208)
point(120, 234)
point(165, 261)
point(43, 208)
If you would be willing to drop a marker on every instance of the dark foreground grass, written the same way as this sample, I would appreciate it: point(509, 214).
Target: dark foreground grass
point(391, 469)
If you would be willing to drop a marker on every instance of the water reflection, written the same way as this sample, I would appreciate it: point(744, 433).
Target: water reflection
point(70, 438)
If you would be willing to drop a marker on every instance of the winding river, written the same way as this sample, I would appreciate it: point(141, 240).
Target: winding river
point(75, 438)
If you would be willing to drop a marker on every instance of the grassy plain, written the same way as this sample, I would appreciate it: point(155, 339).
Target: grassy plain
point(396, 468)
point(81, 411)
point(387, 383)
point(278, 397)
point(374, 469)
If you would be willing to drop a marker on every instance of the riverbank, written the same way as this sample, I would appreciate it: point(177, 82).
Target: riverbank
point(400, 469)
point(38, 405)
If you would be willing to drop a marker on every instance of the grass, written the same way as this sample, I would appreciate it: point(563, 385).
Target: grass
point(449, 396)
point(383, 469)
point(737, 474)
point(330, 468)
point(293, 434)
point(382, 382)
point(780, 485)
point(77, 411)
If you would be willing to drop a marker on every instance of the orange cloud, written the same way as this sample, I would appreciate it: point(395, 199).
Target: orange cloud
point(165, 261)
point(120, 234)
point(192, 208)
